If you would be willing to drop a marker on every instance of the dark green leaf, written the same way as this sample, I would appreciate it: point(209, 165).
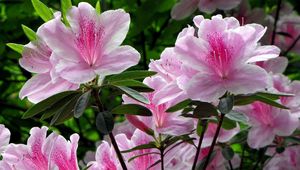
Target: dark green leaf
point(47, 103)
point(133, 94)
point(31, 35)
point(82, 103)
point(204, 110)
point(292, 139)
point(269, 102)
point(132, 109)
point(241, 137)
point(134, 84)
point(140, 147)
point(228, 124)
point(86, 168)
point(179, 106)
point(65, 112)
point(227, 152)
point(16, 47)
point(42, 10)
point(237, 116)
point(105, 122)
point(226, 104)
point(280, 149)
point(128, 75)
point(201, 126)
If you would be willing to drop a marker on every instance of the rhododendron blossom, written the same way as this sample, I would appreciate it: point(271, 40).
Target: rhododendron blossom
point(223, 53)
point(160, 121)
point(42, 152)
point(91, 45)
point(37, 58)
point(266, 122)
point(4, 137)
point(184, 8)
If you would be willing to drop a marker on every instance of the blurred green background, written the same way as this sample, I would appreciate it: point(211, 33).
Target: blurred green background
point(152, 30)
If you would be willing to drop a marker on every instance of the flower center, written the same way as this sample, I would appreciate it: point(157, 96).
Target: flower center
point(89, 40)
point(219, 55)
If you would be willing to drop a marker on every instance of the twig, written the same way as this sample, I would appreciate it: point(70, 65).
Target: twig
point(275, 23)
point(204, 124)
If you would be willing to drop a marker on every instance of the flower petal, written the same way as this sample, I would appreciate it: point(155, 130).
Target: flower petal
point(259, 137)
point(117, 61)
point(183, 9)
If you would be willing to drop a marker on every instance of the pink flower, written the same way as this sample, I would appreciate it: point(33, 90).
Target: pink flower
point(160, 121)
point(288, 160)
point(4, 137)
point(246, 15)
point(36, 58)
point(43, 153)
point(223, 53)
point(106, 158)
point(91, 45)
point(274, 65)
point(267, 122)
point(289, 22)
point(185, 8)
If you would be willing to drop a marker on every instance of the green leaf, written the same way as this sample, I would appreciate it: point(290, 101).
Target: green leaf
point(105, 122)
point(140, 147)
point(98, 7)
point(179, 106)
point(132, 109)
point(237, 116)
point(228, 124)
point(240, 138)
point(65, 6)
point(86, 168)
point(65, 112)
point(204, 110)
point(42, 10)
point(227, 152)
point(280, 149)
point(30, 34)
point(16, 47)
point(269, 102)
point(134, 84)
point(128, 75)
point(226, 104)
point(47, 103)
point(82, 103)
point(292, 139)
point(133, 94)
point(201, 126)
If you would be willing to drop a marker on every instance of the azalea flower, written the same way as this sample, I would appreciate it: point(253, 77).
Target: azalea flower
point(4, 137)
point(185, 8)
point(43, 153)
point(161, 121)
point(223, 53)
point(91, 46)
point(106, 158)
point(267, 122)
point(275, 65)
point(287, 160)
point(37, 59)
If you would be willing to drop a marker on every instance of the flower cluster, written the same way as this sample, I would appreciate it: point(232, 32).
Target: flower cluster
point(219, 67)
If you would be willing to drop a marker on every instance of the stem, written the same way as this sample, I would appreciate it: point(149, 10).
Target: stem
point(211, 149)
point(243, 155)
point(111, 136)
point(162, 158)
point(261, 153)
point(204, 124)
point(230, 164)
point(292, 46)
point(275, 23)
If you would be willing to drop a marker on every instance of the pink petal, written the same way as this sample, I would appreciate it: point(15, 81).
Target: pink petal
point(247, 79)
point(260, 136)
point(227, 5)
point(263, 53)
point(183, 9)
point(4, 137)
point(205, 87)
point(275, 65)
point(117, 61)
point(168, 93)
point(284, 122)
point(35, 57)
point(207, 6)
point(116, 25)
point(40, 87)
